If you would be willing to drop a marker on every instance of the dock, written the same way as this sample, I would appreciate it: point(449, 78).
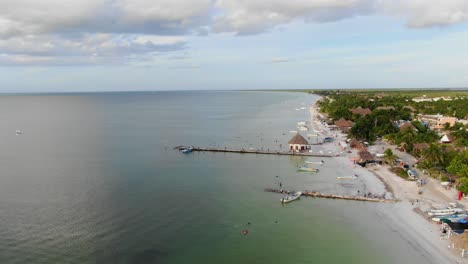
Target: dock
point(259, 151)
point(336, 196)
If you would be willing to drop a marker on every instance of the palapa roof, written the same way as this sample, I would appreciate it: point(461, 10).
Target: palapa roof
point(361, 111)
point(407, 125)
point(344, 123)
point(298, 140)
point(365, 155)
point(420, 146)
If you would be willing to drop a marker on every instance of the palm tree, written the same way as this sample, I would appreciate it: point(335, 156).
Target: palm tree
point(433, 155)
point(390, 157)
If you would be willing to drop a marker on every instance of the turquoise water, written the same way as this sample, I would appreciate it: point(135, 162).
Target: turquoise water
point(94, 179)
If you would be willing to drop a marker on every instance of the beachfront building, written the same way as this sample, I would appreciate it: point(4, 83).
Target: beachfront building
point(365, 156)
point(344, 125)
point(298, 143)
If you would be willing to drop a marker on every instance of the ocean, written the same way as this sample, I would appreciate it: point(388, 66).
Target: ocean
point(94, 178)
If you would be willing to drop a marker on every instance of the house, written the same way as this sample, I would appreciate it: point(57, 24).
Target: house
point(344, 125)
point(298, 143)
point(365, 156)
point(407, 126)
point(360, 111)
point(446, 139)
point(441, 121)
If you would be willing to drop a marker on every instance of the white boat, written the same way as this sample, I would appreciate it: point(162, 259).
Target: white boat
point(305, 168)
point(446, 211)
point(352, 177)
point(314, 162)
point(19, 132)
point(301, 123)
point(187, 150)
point(291, 197)
point(292, 131)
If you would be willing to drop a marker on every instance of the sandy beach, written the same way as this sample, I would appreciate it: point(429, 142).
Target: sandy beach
point(405, 217)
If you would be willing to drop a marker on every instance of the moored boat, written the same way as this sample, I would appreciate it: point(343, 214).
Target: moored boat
point(291, 197)
point(451, 218)
point(314, 162)
point(352, 177)
point(305, 168)
point(445, 211)
point(187, 150)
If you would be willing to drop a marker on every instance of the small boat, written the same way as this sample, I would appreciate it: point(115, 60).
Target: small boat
point(352, 177)
point(291, 197)
point(187, 150)
point(314, 162)
point(446, 211)
point(19, 132)
point(305, 168)
point(452, 218)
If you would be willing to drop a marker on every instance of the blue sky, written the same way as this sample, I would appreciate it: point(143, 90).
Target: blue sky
point(102, 45)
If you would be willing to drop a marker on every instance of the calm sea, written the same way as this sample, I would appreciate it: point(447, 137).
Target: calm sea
point(94, 179)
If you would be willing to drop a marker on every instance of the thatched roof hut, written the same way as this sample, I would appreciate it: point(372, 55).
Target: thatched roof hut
point(298, 143)
point(365, 155)
point(298, 139)
point(408, 125)
point(343, 123)
point(361, 111)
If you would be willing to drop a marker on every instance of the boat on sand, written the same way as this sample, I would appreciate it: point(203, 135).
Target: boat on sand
point(445, 211)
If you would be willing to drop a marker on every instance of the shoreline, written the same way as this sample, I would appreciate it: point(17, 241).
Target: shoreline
point(423, 234)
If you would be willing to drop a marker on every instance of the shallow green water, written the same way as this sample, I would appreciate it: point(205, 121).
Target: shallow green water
point(94, 179)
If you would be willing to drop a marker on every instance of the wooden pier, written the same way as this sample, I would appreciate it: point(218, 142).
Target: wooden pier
point(257, 151)
point(335, 196)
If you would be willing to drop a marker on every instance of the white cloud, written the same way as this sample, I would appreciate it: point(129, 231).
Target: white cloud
point(427, 13)
point(128, 28)
point(89, 48)
point(248, 17)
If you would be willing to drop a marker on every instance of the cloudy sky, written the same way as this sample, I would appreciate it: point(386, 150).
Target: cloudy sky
point(103, 45)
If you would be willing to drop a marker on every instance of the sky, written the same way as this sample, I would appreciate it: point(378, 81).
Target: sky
point(138, 45)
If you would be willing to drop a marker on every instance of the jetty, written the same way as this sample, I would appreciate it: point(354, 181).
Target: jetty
point(336, 196)
point(259, 151)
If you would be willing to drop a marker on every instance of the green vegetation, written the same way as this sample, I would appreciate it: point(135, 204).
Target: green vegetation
point(393, 117)
point(400, 172)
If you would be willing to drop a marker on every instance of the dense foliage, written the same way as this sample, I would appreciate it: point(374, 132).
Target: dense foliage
point(391, 109)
